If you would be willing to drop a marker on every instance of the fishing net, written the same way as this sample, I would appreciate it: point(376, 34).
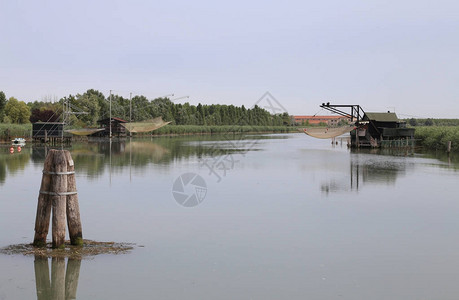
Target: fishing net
point(84, 131)
point(145, 126)
point(327, 133)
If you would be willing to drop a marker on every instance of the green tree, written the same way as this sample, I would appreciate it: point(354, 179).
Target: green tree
point(17, 111)
point(2, 105)
point(88, 103)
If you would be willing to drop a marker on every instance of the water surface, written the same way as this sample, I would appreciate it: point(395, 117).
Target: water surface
point(283, 216)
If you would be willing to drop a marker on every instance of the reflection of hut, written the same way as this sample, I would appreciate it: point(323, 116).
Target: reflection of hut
point(117, 129)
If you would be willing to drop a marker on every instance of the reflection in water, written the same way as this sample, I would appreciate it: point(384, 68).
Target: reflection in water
point(370, 168)
point(63, 284)
point(96, 158)
point(12, 163)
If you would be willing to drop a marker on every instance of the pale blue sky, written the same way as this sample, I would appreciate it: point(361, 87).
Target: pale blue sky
point(380, 54)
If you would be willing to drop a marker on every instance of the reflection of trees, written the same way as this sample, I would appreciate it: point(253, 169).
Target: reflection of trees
point(12, 163)
point(63, 284)
point(94, 158)
point(450, 160)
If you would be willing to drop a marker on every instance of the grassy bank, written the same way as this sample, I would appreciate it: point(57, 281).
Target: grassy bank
point(15, 130)
point(436, 137)
point(196, 129)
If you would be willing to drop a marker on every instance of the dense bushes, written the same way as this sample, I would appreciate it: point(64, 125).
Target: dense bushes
point(437, 137)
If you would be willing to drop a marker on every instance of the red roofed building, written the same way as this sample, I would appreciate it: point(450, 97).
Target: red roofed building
point(316, 120)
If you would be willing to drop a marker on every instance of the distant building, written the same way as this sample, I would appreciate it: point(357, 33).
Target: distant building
point(316, 120)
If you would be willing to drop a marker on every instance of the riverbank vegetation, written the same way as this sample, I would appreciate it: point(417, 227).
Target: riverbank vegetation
point(432, 122)
point(222, 129)
point(8, 131)
point(437, 137)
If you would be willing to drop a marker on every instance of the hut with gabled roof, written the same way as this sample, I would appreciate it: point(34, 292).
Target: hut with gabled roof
point(117, 129)
point(378, 128)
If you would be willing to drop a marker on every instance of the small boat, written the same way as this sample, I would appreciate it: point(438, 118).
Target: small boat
point(19, 141)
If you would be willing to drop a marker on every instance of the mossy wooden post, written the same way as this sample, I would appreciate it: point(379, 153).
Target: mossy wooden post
point(44, 203)
point(59, 197)
point(58, 193)
point(73, 208)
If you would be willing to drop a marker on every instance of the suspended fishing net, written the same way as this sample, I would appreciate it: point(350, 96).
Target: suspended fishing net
point(145, 126)
point(327, 133)
point(84, 131)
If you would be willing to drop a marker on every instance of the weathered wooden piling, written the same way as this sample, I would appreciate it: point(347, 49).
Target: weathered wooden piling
point(73, 208)
point(59, 198)
point(448, 147)
point(44, 206)
point(58, 193)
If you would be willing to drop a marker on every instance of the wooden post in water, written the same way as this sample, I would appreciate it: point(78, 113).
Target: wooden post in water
point(73, 208)
point(58, 193)
point(58, 198)
point(448, 147)
point(44, 204)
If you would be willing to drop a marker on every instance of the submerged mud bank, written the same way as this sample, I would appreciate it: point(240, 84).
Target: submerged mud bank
point(87, 250)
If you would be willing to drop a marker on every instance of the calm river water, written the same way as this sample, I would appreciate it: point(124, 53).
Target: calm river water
point(265, 217)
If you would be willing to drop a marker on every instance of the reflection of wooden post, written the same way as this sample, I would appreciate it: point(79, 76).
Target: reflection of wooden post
point(357, 138)
point(63, 284)
point(58, 191)
point(42, 282)
point(71, 278)
point(58, 278)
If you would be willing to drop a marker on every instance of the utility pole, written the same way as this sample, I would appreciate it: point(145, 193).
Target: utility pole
point(110, 114)
point(130, 113)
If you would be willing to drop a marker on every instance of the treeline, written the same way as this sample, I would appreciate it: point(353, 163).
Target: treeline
point(432, 122)
point(94, 105)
